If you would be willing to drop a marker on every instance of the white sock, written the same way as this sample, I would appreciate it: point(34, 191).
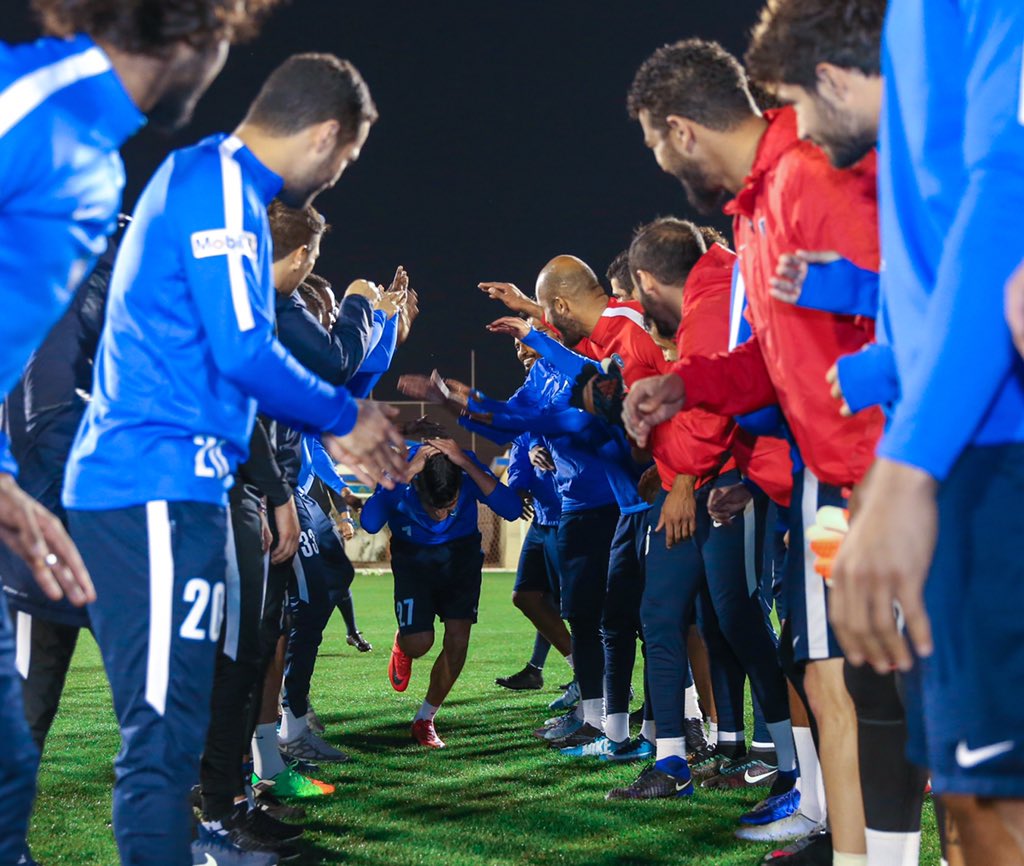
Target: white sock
point(730, 737)
point(592, 710)
point(213, 826)
point(893, 849)
point(666, 748)
point(292, 726)
point(785, 749)
point(266, 759)
point(691, 708)
point(648, 730)
point(812, 803)
point(577, 711)
point(569, 661)
point(616, 727)
point(427, 711)
point(712, 732)
point(849, 859)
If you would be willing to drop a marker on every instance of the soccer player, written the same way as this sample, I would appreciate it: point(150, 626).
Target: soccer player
point(437, 563)
point(620, 279)
point(685, 288)
point(951, 74)
point(824, 58)
point(69, 101)
point(694, 105)
point(187, 351)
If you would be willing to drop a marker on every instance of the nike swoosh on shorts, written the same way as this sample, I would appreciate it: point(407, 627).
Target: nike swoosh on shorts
point(968, 758)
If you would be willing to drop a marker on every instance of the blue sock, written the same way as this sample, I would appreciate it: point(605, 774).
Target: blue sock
point(540, 652)
point(674, 766)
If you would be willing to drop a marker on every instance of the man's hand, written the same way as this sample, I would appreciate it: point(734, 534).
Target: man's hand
point(724, 503)
point(394, 299)
point(365, 289)
point(351, 500)
point(286, 518)
point(649, 485)
point(788, 282)
point(511, 326)
point(374, 450)
point(541, 459)
point(1015, 307)
point(422, 388)
point(650, 402)
point(512, 298)
point(885, 559)
point(419, 459)
point(528, 510)
point(450, 449)
point(266, 536)
point(347, 527)
point(410, 310)
point(679, 512)
point(39, 538)
point(832, 378)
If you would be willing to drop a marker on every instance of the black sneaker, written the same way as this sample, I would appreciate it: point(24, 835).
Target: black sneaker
point(240, 831)
point(705, 763)
point(359, 642)
point(268, 827)
point(583, 736)
point(269, 803)
point(529, 678)
point(812, 850)
point(653, 784)
point(216, 846)
point(693, 731)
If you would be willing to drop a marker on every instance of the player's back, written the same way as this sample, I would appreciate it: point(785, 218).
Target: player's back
point(164, 421)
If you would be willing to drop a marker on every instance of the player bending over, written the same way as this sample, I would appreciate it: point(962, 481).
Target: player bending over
point(437, 563)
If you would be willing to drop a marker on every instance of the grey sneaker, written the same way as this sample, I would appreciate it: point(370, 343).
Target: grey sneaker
point(313, 720)
point(567, 725)
point(309, 747)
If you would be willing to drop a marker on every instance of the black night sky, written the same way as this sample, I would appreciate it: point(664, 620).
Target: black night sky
point(503, 141)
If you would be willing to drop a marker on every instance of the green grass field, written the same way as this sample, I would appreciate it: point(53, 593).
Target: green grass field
point(496, 795)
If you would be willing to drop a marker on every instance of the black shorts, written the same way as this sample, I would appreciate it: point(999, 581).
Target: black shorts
point(440, 581)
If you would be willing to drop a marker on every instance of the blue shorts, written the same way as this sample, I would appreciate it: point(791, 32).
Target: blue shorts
point(159, 571)
point(436, 580)
point(538, 561)
point(806, 595)
point(584, 545)
point(965, 717)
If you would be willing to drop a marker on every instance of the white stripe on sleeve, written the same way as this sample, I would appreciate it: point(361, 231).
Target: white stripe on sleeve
point(231, 180)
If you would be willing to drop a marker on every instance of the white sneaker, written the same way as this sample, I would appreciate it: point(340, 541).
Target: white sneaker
point(795, 826)
point(309, 747)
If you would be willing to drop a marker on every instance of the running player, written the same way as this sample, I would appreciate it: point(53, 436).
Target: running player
point(190, 316)
point(437, 563)
point(698, 118)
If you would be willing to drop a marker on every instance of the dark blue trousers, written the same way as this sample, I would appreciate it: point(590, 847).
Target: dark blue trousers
point(159, 571)
point(620, 621)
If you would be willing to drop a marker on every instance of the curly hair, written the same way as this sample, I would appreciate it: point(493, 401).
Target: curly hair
point(793, 36)
point(696, 79)
point(712, 236)
point(619, 270)
point(149, 26)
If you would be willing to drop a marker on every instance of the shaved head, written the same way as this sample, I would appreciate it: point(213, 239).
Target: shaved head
point(567, 277)
point(571, 296)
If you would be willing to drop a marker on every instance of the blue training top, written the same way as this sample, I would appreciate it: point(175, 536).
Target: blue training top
point(542, 486)
point(402, 510)
point(64, 114)
point(951, 187)
point(188, 347)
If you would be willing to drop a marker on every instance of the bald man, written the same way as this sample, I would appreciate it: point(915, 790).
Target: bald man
point(572, 300)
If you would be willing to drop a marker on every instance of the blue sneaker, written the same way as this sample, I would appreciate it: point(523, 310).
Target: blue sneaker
point(570, 697)
point(566, 726)
point(599, 748)
point(669, 777)
point(773, 808)
point(640, 749)
point(216, 848)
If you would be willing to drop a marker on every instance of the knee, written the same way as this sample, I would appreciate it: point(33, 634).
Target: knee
point(962, 808)
point(826, 692)
point(519, 601)
point(456, 644)
point(416, 645)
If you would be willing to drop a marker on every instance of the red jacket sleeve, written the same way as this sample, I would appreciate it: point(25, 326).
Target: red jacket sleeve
point(729, 383)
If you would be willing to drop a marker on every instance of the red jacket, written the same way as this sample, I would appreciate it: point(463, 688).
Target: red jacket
point(794, 199)
point(621, 332)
